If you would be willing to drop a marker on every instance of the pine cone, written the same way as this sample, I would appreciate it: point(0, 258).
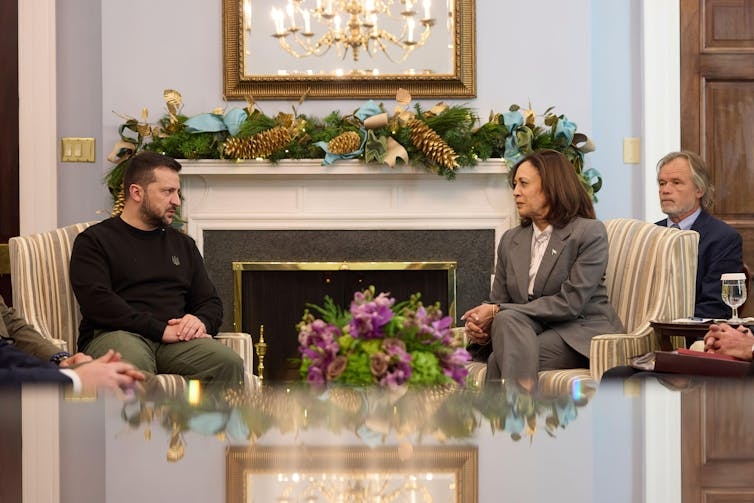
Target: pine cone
point(432, 145)
point(120, 202)
point(260, 146)
point(344, 143)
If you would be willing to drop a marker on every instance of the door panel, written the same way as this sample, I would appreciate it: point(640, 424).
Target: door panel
point(718, 442)
point(717, 120)
point(717, 113)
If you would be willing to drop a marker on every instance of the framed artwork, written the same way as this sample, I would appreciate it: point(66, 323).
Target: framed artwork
point(328, 474)
point(338, 49)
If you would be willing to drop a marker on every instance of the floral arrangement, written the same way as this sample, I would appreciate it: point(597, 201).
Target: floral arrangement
point(443, 138)
point(380, 342)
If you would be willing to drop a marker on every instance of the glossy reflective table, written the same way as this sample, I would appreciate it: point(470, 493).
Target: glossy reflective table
point(289, 444)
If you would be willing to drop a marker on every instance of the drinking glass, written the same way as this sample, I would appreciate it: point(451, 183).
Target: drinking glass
point(734, 292)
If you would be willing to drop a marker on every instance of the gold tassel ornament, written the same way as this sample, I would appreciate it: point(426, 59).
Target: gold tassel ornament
point(344, 143)
point(260, 146)
point(432, 145)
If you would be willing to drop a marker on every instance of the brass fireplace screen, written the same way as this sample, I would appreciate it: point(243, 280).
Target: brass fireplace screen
point(275, 294)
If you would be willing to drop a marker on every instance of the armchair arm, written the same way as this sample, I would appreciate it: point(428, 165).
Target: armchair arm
point(242, 344)
point(612, 350)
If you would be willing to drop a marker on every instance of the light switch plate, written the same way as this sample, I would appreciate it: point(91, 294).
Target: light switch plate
point(631, 150)
point(77, 149)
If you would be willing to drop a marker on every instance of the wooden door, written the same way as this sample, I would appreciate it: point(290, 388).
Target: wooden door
point(717, 105)
point(8, 131)
point(718, 443)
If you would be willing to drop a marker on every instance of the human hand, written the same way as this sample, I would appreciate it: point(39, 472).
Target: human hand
point(185, 329)
point(724, 339)
point(478, 322)
point(108, 372)
point(76, 359)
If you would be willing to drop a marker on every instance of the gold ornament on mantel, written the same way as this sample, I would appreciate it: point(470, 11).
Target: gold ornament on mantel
point(259, 146)
point(344, 143)
point(432, 145)
point(120, 202)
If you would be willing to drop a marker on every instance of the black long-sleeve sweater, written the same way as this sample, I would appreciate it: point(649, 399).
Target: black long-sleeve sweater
point(128, 279)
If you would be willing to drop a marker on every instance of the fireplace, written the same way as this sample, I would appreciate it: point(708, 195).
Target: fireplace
point(299, 211)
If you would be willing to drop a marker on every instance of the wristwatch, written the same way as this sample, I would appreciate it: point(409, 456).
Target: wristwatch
point(59, 357)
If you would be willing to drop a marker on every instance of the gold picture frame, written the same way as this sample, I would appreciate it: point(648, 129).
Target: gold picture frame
point(459, 81)
point(448, 474)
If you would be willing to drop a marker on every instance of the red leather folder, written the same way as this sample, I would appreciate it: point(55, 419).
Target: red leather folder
point(685, 361)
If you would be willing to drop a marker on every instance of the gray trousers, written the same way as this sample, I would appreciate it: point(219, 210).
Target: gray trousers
point(521, 347)
point(207, 360)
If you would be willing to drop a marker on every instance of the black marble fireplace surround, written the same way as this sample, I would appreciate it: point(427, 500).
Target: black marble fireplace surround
point(473, 251)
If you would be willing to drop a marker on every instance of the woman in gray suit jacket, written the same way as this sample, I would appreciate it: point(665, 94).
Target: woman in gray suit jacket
point(548, 296)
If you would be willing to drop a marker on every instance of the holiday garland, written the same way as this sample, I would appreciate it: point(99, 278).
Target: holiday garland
point(443, 139)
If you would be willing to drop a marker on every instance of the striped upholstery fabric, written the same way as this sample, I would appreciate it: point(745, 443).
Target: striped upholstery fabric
point(42, 294)
point(41, 287)
point(651, 276)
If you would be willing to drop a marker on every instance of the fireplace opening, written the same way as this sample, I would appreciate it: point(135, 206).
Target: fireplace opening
point(274, 294)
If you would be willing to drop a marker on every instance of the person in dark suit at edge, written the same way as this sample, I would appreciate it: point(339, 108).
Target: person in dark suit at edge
point(548, 297)
point(28, 357)
point(686, 196)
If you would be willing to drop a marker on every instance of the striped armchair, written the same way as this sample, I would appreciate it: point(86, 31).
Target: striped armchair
point(42, 294)
point(651, 276)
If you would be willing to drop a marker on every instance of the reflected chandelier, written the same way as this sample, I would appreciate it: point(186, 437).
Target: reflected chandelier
point(355, 25)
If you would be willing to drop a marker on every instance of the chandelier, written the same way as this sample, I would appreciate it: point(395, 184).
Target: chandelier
point(314, 27)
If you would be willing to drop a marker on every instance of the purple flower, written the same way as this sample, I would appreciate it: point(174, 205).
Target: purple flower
point(370, 314)
point(398, 376)
point(454, 365)
point(431, 325)
point(399, 363)
point(315, 375)
point(318, 342)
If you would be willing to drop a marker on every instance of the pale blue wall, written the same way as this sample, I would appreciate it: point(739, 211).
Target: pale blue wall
point(616, 103)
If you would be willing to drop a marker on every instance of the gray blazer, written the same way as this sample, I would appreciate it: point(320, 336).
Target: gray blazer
point(569, 290)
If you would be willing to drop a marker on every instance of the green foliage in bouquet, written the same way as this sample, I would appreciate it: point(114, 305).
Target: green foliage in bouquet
point(379, 342)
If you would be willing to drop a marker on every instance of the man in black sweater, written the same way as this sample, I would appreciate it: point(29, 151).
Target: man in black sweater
point(142, 285)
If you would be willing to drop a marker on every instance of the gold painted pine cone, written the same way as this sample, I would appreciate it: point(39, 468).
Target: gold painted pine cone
point(119, 203)
point(432, 145)
point(344, 143)
point(260, 146)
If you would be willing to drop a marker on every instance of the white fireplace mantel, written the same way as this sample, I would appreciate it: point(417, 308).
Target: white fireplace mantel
point(350, 195)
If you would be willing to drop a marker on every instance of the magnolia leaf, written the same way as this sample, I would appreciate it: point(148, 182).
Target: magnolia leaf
point(395, 151)
point(173, 100)
point(403, 97)
point(375, 148)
